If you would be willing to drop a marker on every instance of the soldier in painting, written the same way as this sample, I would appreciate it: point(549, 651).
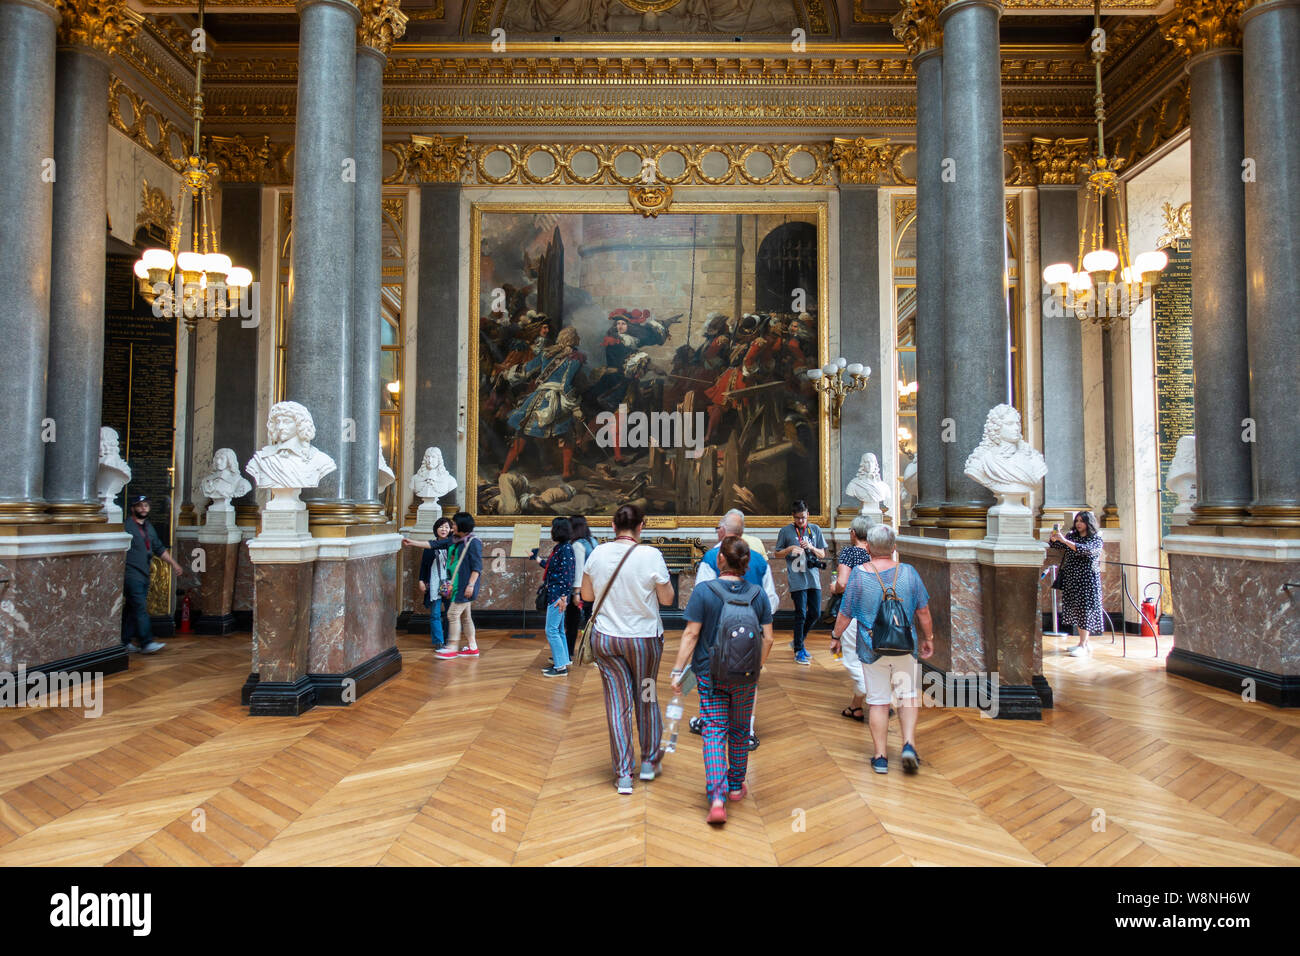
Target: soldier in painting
point(550, 410)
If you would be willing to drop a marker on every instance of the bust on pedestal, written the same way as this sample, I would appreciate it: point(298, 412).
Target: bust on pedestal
point(1011, 468)
point(286, 466)
point(1181, 478)
point(223, 484)
point(386, 476)
point(430, 483)
point(869, 489)
point(219, 538)
point(113, 475)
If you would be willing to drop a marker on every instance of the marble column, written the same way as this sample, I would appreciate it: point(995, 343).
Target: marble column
point(1221, 392)
point(76, 357)
point(860, 428)
point(367, 281)
point(437, 326)
point(931, 362)
point(27, 57)
point(1065, 487)
point(319, 359)
point(1271, 87)
point(975, 328)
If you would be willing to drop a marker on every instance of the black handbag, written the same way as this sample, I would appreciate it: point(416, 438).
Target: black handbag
point(541, 602)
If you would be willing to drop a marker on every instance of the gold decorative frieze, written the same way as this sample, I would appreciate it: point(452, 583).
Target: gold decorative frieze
point(382, 24)
point(242, 160)
point(1178, 224)
point(650, 199)
point(1057, 161)
point(429, 159)
point(132, 114)
point(1163, 119)
point(1197, 26)
point(916, 25)
point(99, 25)
point(156, 209)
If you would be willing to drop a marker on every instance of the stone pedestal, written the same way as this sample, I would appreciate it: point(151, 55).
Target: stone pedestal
point(219, 539)
point(425, 517)
point(1238, 624)
point(61, 602)
point(242, 603)
point(282, 593)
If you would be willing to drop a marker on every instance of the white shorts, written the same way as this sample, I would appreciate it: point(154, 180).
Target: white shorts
point(890, 676)
point(849, 656)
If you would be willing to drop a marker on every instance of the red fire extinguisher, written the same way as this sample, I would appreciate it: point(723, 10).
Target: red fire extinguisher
point(185, 627)
point(1151, 610)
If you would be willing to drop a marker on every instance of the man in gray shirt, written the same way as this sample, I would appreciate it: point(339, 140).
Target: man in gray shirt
point(798, 542)
point(137, 632)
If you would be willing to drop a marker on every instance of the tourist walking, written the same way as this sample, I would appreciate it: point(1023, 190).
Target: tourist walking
point(465, 560)
point(848, 559)
point(558, 582)
point(726, 692)
point(137, 629)
point(578, 612)
point(804, 550)
point(883, 584)
point(1080, 579)
point(628, 581)
point(435, 583)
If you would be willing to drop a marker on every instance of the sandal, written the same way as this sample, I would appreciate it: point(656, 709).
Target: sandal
point(848, 712)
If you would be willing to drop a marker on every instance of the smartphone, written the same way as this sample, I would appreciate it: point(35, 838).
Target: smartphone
point(689, 681)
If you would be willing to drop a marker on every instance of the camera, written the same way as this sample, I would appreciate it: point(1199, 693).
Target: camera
point(814, 563)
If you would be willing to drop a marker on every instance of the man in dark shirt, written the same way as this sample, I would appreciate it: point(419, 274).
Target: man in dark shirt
point(137, 632)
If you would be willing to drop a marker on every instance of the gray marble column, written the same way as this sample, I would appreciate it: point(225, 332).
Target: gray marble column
point(319, 360)
point(76, 357)
point(931, 364)
point(437, 327)
point(1271, 44)
point(27, 41)
point(974, 243)
point(367, 279)
point(1065, 487)
point(860, 418)
point(1221, 393)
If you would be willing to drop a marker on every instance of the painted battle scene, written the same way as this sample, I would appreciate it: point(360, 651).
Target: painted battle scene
point(656, 361)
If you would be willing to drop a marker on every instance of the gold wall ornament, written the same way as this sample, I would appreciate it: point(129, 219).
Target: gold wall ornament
point(161, 137)
point(650, 199)
point(99, 25)
point(429, 159)
point(862, 161)
point(904, 208)
point(1197, 26)
point(242, 160)
point(394, 208)
point(1178, 224)
point(156, 208)
point(1058, 160)
point(382, 24)
point(1019, 164)
point(1163, 119)
point(916, 25)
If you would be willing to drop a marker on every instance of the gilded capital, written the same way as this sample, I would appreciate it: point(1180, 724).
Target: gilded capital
point(862, 161)
point(916, 25)
point(1059, 160)
point(430, 159)
point(99, 25)
point(242, 160)
point(382, 24)
point(1198, 26)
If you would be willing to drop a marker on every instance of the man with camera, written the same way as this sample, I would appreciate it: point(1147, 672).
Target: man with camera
point(804, 550)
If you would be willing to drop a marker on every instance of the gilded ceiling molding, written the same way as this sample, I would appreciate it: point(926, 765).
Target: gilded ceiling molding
point(382, 24)
point(1198, 26)
point(916, 25)
point(1058, 161)
point(429, 159)
point(242, 160)
point(131, 114)
point(99, 25)
point(1156, 124)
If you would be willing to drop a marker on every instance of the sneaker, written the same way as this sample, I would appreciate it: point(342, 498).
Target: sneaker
point(880, 764)
point(753, 742)
point(717, 813)
point(132, 648)
point(624, 785)
point(735, 796)
point(910, 760)
point(696, 724)
point(153, 647)
point(1080, 650)
point(555, 672)
point(443, 654)
point(469, 652)
point(649, 770)
point(803, 657)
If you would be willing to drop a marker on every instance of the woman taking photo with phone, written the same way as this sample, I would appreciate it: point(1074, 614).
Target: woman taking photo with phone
point(1080, 579)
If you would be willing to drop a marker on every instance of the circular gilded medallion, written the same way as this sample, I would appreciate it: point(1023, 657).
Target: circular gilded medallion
point(650, 6)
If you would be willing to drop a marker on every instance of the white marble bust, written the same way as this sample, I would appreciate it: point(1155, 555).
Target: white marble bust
point(224, 482)
point(433, 480)
point(908, 498)
point(386, 476)
point(1181, 477)
point(289, 460)
point(113, 473)
point(868, 487)
point(1003, 461)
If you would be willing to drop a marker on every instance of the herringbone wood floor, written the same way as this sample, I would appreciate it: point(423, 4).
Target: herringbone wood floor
point(485, 761)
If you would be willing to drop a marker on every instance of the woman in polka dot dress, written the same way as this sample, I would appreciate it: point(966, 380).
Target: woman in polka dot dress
point(1080, 577)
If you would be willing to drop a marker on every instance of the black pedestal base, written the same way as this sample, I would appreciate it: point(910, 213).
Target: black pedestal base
point(211, 624)
point(243, 620)
point(1044, 690)
point(1280, 690)
point(340, 690)
point(246, 692)
point(282, 699)
point(1019, 702)
point(102, 662)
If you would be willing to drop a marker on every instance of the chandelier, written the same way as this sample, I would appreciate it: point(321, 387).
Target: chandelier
point(1104, 284)
point(211, 286)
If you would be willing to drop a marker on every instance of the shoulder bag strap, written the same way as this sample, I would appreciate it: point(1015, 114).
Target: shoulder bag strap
point(464, 546)
point(610, 583)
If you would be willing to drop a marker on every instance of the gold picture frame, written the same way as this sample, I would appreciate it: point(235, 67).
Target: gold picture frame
point(817, 210)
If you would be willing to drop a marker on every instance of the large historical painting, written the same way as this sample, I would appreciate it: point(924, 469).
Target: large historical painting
point(658, 361)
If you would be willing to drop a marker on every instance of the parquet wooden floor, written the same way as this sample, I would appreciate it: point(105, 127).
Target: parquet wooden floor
point(487, 762)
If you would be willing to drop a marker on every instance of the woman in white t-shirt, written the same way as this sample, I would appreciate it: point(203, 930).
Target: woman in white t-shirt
point(627, 639)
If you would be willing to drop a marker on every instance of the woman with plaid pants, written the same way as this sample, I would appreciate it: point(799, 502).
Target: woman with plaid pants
point(726, 708)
